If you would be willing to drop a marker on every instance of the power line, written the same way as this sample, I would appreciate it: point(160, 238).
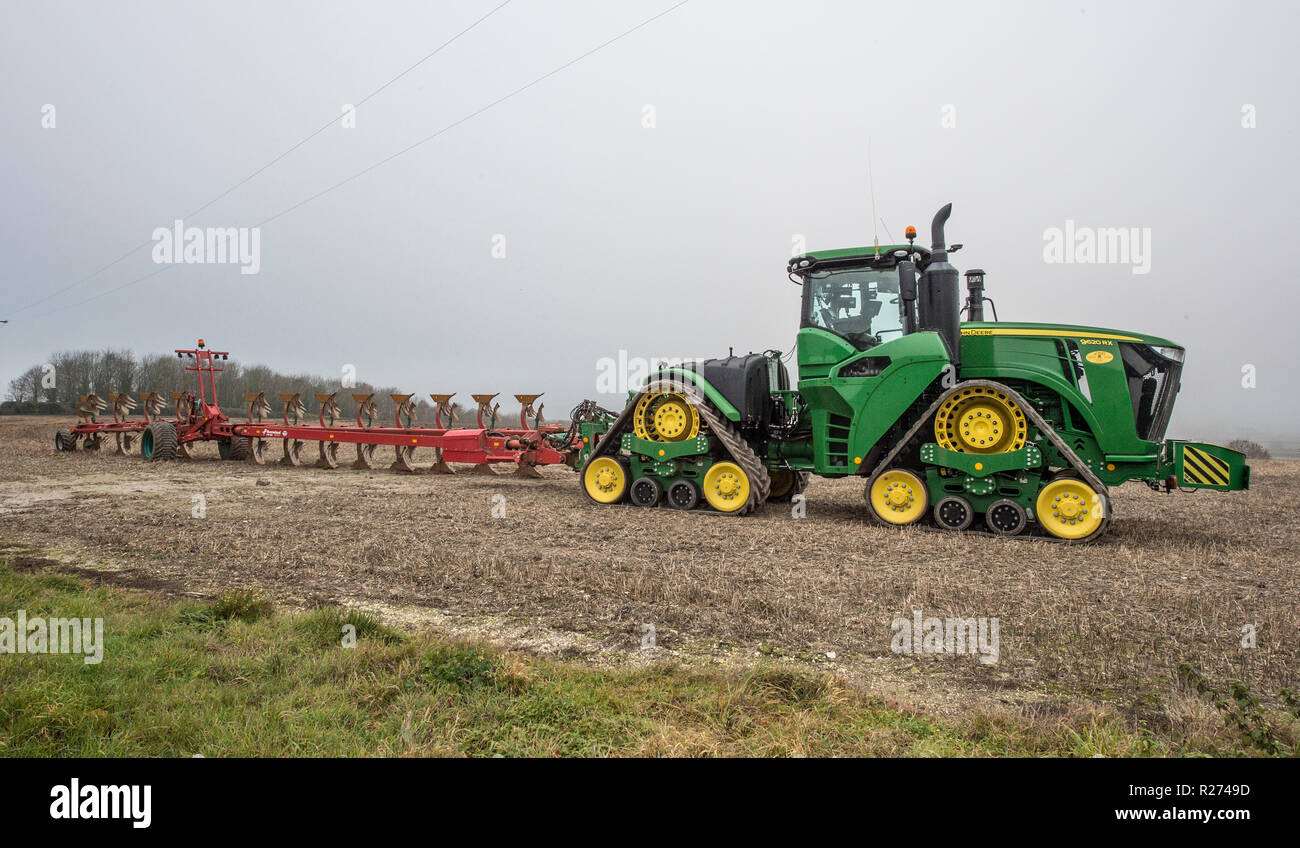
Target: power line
point(331, 122)
point(404, 150)
point(470, 116)
point(161, 269)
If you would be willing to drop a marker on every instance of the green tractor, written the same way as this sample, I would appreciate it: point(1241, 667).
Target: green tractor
point(1006, 427)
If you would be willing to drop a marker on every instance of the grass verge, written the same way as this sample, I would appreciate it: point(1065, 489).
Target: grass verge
point(237, 677)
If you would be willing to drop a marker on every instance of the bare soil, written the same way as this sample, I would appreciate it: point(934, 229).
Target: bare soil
point(1104, 625)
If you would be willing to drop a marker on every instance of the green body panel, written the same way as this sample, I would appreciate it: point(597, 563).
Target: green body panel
point(684, 468)
point(1017, 460)
point(849, 414)
point(819, 352)
point(664, 451)
point(591, 431)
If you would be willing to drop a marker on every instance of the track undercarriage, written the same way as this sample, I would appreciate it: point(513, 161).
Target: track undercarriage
point(995, 459)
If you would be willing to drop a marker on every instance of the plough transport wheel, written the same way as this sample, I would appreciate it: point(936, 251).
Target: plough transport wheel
point(158, 442)
point(235, 448)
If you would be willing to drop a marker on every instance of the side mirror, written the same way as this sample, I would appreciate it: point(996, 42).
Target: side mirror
point(907, 292)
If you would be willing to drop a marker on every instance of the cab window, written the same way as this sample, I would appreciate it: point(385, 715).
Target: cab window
point(859, 305)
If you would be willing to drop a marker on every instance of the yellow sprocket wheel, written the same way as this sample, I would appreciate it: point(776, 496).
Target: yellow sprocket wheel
point(605, 480)
point(899, 497)
point(981, 420)
point(726, 487)
point(1069, 508)
point(665, 417)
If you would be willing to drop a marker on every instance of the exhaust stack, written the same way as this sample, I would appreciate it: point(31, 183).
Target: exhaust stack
point(939, 298)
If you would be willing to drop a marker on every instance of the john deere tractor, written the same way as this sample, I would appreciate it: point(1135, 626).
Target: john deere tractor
point(1006, 427)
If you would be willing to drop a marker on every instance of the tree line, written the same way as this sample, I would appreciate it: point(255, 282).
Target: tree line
point(55, 386)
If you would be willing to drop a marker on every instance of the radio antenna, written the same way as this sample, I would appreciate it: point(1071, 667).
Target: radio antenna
point(871, 182)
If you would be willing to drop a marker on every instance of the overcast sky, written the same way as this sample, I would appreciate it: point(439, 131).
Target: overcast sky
point(647, 197)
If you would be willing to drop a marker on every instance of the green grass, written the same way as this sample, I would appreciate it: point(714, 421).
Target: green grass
point(236, 677)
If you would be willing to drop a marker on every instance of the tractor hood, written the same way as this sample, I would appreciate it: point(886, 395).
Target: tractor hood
point(1114, 373)
point(1067, 331)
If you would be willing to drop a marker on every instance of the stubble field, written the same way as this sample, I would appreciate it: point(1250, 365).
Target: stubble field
point(1104, 627)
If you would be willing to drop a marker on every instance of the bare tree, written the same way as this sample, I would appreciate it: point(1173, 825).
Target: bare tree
point(1253, 450)
point(26, 386)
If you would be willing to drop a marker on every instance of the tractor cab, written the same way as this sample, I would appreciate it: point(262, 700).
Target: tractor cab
point(855, 293)
point(855, 300)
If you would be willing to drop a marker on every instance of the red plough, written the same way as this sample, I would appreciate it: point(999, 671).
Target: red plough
point(198, 418)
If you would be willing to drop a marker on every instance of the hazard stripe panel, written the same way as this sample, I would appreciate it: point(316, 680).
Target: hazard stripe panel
point(1204, 469)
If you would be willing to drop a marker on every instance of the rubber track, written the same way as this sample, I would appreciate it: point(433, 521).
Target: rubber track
point(1032, 414)
point(737, 449)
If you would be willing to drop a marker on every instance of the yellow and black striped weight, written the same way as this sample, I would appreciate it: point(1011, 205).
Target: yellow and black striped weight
point(1204, 469)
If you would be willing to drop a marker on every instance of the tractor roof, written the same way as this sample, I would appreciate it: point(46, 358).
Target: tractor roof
point(847, 257)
